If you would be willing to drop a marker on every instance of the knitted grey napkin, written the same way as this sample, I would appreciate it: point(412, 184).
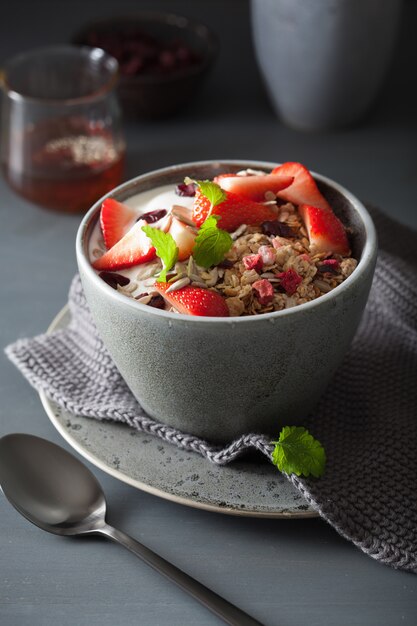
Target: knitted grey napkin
point(366, 420)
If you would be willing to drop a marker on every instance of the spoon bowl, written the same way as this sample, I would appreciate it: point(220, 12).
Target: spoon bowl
point(49, 486)
point(55, 491)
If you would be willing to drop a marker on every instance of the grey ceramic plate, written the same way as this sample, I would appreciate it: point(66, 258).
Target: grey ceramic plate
point(253, 488)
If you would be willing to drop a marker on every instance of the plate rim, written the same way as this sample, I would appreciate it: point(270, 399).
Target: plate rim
point(48, 405)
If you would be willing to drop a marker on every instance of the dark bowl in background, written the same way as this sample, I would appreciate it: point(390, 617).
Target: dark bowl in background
point(159, 95)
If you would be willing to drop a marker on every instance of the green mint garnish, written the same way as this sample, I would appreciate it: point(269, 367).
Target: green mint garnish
point(297, 452)
point(212, 191)
point(211, 243)
point(165, 247)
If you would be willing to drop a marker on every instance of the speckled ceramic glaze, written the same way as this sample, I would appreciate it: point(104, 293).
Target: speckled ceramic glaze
point(220, 377)
point(250, 487)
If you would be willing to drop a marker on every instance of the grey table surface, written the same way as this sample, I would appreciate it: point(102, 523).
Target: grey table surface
point(284, 572)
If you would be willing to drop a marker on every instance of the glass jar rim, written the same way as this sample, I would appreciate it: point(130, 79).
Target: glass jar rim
point(86, 52)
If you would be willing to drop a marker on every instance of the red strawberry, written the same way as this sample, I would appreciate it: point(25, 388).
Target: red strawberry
point(325, 231)
point(304, 189)
point(195, 301)
point(234, 211)
point(134, 248)
point(253, 187)
point(115, 218)
point(183, 236)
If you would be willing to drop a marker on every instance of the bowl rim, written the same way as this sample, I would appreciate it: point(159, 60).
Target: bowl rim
point(368, 255)
point(168, 18)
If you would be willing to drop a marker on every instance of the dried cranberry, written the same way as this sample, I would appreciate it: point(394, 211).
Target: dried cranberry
point(275, 228)
point(132, 66)
point(329, 265)
point(157, 302)
point(264, 291)
point(113, 279)
point(225, 264)
point(185, 190)
point(289, 281)
point(153, 216)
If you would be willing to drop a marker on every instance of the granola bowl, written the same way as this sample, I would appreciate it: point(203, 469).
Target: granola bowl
point(220, 377)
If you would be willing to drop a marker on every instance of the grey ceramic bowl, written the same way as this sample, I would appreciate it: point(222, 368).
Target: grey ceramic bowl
point(221, 377)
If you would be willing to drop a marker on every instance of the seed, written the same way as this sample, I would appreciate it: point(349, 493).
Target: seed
point(183, 214)
point(239, 231)
point(147, 270)
point(269, 196)
point(176, 277)
point(179, 284)
point(324, 287)
point(213, 277)
point(195, 278)
point(144, 298)
point(131, 287)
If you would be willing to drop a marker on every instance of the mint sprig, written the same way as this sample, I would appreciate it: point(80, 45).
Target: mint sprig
point(297, 452)
point(165, 247)
point(211, 243)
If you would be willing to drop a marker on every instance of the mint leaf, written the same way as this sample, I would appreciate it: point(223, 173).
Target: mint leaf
point(165, 247)
point(211, 243)
point(297, 452)
point(212, 191)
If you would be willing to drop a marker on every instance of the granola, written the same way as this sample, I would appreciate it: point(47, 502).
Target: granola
point(292, 254)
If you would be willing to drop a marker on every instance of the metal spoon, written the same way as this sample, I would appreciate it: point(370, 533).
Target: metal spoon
point(56, 492)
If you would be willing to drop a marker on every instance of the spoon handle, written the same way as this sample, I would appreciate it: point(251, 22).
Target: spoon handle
point(218, 605)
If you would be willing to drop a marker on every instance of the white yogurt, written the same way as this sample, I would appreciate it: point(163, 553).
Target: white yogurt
point(142, 276)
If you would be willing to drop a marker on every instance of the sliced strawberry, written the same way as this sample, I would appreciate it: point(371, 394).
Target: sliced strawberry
point(184, 237)
point(253, 187)
point(195, 301)
point(134, 248)
point(325, 231)
point(304, 189)
point(115, 218)
point(234, 211)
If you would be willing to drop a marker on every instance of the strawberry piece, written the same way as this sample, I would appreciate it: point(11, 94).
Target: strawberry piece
point(330, 266)
point(134, 248)
point(195, 301)
point(264, 291)
point(268, 255)
point(290, 281)
point(234, 211)
point(115, 218)
point(184, 238)
point(253, 187)
point(325, 231)
point(304, 189)
point(253, 262)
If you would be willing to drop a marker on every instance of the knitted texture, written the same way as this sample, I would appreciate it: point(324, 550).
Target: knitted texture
point(366, 420)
